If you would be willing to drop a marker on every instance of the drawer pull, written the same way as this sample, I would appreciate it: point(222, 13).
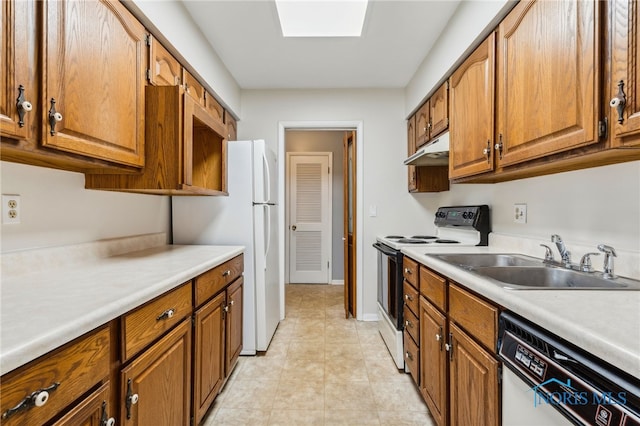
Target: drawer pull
point(169, 313)
point(408, 355)
point(408, 271)
point(131, 399)
point(408, 297)
point(226, 273)
point(408, 323)
point(36, 399)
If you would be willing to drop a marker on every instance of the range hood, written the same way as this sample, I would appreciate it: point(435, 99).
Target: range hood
point(434, 153)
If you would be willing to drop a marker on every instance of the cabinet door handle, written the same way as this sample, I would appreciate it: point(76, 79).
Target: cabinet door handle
point(619, 101)
point(35, 399)
point(408, 323)
point(408, 297)
point(54, 117)
point(439, 338)
point(408, 271)
point(408, 355)
point(449, 347)
point(105, 420)
point(226, 273)
point(487, 151)
point(169, 313)
point(498, 147)
point(22, 105)
point(131, 399)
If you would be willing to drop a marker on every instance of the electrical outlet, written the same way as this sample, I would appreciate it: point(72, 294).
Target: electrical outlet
point(520, 213)
point(10, 208)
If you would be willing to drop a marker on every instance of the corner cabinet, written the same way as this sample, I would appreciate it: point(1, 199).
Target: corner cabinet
point(625, 78)
point(96, 111)
point(186, 149)
point(472, 113)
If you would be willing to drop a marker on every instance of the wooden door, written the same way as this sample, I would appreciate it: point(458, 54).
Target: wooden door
point(433, 361)
point(310, 217)
point(164, 69)
point(474, 393)
point(209, 355)
point(18, 56)
point(349, 218)
point(156, 387)
point(471, 100)
point(91, 411)
point(548, 79)
point(422, 125)
point(101, 108)
point(411, 149)
point(625, 127)
point(439, 111)
point(233, 330)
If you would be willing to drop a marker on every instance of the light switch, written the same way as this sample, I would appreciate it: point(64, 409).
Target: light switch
point(373, 211)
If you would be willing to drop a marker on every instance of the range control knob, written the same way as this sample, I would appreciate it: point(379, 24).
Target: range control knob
point(471, 215)
point(465, 215)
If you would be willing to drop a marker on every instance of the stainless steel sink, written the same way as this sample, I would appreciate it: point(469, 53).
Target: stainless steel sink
point(488, 259)
point(520, 272)
point(535, 278)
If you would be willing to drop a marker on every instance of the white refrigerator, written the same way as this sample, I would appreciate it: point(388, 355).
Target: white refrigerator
point(248, 217)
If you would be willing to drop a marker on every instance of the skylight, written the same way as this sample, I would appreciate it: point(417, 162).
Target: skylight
point(321, 18)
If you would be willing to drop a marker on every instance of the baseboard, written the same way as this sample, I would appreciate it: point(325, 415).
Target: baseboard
point(337, 282)
point(370, 317)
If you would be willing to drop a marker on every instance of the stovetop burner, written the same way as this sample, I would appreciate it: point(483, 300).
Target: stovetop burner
point(440, 241)
point(424, 237)
point(411, 241)
point(394, 237)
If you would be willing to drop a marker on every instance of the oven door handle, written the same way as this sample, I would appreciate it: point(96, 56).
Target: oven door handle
point(384, 249)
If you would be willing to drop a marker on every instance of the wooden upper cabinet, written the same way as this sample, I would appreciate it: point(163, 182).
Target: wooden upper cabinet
point(213, 107)
point(548, 79)
point(232, 126)
point(18, 41)
point(422, 125)
point(164, 69)
point(439, 111)
point(471, 100)
point(411, 149)
point(193, 88)
point(625, 50)
point(94, 79)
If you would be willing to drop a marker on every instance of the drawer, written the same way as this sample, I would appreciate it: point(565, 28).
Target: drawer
point(411, 324)
point(214, 280)
point(411, 297)
point(434, 288)
point(477, 316)
point(76, 367)
point(410, 271)
point(412, 357)
point(142, 326)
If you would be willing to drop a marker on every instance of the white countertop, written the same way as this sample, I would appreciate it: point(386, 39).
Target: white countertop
point(603, 323)
point(44, 309)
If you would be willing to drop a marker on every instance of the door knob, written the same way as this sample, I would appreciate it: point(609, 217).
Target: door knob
point(293, 227)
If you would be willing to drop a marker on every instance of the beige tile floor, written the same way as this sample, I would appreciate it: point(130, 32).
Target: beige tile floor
point(320, 369)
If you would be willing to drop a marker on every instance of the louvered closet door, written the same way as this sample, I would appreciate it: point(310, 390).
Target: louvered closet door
point(309, 218)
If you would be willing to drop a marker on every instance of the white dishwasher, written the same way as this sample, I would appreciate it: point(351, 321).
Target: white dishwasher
point(550, 382)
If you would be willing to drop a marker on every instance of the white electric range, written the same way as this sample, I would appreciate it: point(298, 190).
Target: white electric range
point(456, 226)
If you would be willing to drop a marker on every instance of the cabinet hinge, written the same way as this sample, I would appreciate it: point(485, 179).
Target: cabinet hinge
point(447, 84)
point(603, 128)
point(148, 39)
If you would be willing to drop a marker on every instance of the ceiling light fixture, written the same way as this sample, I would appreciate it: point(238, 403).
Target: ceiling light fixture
point(321, 18)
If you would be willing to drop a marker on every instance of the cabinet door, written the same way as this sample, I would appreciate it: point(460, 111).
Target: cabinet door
point(156, 386)
point(422, 125)
point(548, 79)
point(164, 69)
point(193, 88)
point(624, 68)
point(474, 392)
point(411, 149)
point(91, 411)
point(471, 100)
point(18, 34)
point(213, 107)
point(232, 127)
point(208, 371)
point(234, 325)
point(439, 111)
point(94, 71)
point(433, 360)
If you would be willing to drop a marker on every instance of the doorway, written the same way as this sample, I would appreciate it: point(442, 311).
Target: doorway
point(349, 272)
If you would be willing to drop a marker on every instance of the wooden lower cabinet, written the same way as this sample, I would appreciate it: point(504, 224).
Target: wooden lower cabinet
point(208, 366)
point(473, 382)
point(92, 411)
point(233, 325)
point(434, 366)
point(155, 388)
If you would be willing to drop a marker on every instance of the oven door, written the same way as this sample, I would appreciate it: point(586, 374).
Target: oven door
point(390, 283)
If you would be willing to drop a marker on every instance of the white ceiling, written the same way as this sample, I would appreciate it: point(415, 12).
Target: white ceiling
point(397, 36)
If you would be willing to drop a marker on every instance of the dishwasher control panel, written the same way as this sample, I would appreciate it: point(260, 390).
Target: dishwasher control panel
point(531, 361)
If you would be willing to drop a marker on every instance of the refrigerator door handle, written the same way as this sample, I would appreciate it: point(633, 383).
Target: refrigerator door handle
point(267, 183)
point(268, 232)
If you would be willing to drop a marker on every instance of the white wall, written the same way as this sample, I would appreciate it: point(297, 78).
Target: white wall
point(327, 141)
point(57, 210)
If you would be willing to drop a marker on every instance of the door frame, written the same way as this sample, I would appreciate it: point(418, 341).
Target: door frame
point(324, 125)
point(287, 231)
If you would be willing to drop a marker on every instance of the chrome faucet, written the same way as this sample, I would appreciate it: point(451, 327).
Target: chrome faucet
point(609, 254)
point(564, 253)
